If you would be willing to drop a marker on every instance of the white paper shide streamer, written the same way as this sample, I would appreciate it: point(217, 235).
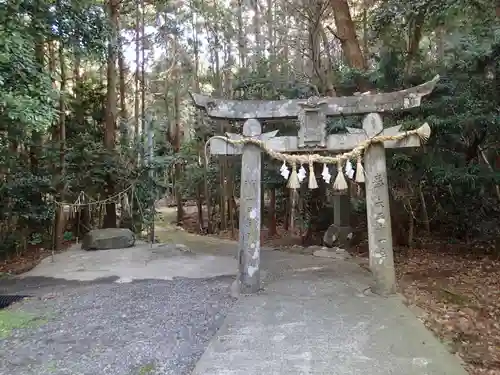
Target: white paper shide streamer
point(349, 170)
point(302, 173)
point(284, 171)
point(326, 174)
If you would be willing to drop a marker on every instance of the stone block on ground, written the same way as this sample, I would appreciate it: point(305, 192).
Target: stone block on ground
point(108, 238)
point(335, 253)
point(339, 236)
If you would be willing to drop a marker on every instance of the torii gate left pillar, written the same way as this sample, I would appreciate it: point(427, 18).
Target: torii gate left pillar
point(248, 279)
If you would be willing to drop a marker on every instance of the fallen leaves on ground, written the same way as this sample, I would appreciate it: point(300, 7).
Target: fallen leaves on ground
point(457, 288)
point(26, 260)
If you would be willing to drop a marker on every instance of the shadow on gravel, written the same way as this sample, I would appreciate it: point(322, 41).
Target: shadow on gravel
point(40, 285)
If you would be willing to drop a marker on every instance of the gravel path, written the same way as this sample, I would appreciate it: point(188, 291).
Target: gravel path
point(147, 327)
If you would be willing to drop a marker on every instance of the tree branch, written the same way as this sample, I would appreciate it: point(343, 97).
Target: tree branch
point(330, 29)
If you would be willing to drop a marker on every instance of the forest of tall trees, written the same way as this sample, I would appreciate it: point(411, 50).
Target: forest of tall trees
point(84, 81)
point(84, 84)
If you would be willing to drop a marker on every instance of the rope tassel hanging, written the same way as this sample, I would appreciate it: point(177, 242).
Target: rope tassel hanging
point(360, 171)
point(313, 184)
point(293, 181)
point(424, 132)
point(340, 183)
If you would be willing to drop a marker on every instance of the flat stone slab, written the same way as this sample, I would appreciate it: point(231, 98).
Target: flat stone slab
point(315, 322)
point(334, 253)
point(160, 261)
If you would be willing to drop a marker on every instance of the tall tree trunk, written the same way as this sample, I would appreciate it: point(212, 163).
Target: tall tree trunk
point(177, 147)
point(423, 207)
point(222, 124)
point(365, 29)
point(53, 72)
point(298, 56)
point(198, 119)
point(102, 72)
point(414, 38)
point(229, 181)
point(285, 65)
point(257, 33)
point(137, 69)
point(271, 50)
point(346, 33)
point(84, 215)
point(143, 70)
point(60, 219)
point(36, 136)
point(124, 129)
point(329, 88)
point(241, 35)
point(111, 107)
point(314, 28)
point(440, 35)
point(177, 136)
point(77, 83)
point(272, 212)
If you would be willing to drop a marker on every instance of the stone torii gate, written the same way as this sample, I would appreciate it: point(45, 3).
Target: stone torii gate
point(312, 136)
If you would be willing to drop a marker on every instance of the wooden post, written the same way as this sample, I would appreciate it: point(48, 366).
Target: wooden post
point(378, 211)
point(250, 217)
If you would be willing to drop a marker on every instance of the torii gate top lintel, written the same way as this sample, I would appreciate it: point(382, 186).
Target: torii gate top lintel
point(330, 106)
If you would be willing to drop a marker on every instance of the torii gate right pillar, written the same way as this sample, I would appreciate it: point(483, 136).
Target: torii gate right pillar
point(378, 210)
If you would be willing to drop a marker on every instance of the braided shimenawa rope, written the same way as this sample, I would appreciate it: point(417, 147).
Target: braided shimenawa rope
point(422, 132)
